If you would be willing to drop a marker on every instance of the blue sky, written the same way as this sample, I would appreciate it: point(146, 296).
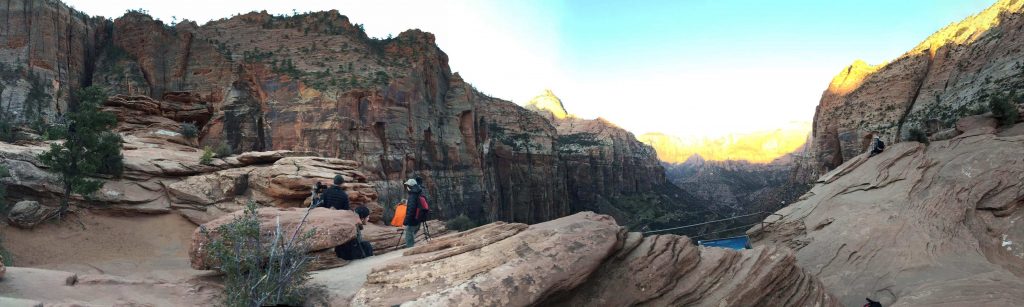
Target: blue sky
point(686, 67)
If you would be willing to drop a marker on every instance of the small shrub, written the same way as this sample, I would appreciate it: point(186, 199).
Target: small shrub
point(8, 258)
point(223, 150)
point(917, 135)
point(7, 133)
point(207, 157)
point(260, 271)
point(3, 190)
point(461, 223)
point(189, 130)
point(1004, 108)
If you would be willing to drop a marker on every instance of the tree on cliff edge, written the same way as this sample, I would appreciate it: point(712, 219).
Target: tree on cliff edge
point(90, 147)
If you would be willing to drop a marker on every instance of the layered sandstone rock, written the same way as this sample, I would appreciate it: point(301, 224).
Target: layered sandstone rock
point(916, 225)
point(950, 75)
point(330, 228)
point(583, 259)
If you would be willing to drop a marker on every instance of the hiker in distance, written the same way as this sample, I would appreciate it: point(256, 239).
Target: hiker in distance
point(416, 211)
point(335, 197)
point(877, 146)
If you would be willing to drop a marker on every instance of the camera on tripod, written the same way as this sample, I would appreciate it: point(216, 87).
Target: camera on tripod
point(318, 190)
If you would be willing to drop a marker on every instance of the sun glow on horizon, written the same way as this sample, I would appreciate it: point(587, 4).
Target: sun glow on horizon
point(755, 147)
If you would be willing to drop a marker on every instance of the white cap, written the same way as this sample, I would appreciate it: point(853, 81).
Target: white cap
point(410, 182)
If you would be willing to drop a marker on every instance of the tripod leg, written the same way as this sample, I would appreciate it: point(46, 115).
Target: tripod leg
point(401, 239)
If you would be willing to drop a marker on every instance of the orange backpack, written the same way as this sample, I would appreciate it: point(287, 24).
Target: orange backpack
point(399, 216)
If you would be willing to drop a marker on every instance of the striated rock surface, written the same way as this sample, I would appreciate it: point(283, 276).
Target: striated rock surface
point(41, 287)
point(331, 228)
point(952, 74)
point(916, 225)
point(580, 260)
point(316, 83)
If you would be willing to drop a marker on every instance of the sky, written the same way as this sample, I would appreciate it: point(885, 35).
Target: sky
point(690, 68)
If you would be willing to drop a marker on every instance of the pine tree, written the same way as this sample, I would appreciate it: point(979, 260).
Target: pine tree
point(90, 147)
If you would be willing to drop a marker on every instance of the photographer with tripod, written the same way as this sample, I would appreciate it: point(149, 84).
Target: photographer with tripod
point(417, 212)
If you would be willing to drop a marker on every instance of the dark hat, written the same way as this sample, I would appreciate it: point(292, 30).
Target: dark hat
point(338, 179)
point(362, 212)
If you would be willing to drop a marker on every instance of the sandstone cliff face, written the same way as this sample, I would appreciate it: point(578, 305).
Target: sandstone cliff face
point(949, 75)
point(316, 83)
point(916, 225)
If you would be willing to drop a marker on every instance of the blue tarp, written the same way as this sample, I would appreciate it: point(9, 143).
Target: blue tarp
point(740, 242)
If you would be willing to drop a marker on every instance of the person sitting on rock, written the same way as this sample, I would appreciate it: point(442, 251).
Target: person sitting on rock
point(335, 197)
point(877, 146)
point(357, 248)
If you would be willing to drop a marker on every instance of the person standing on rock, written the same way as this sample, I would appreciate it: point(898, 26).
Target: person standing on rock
point(412, 224)
point(335, 197)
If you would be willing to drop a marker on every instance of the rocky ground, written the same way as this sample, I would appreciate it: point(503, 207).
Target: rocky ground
point(935, 225)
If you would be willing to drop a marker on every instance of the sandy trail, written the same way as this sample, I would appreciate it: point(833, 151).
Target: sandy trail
point(151, 247)
point(343, 283)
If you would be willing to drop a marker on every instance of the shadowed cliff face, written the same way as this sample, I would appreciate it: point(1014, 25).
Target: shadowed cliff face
point(949, 75)
point(317, 83)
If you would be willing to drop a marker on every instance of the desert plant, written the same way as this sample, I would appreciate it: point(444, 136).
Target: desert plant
point(89, 147)
point(461, 223)
point(189, 130)
point(207, 157)
point(1004, 108)
point(223, 150)
point(3, 189)
point(260, 271)
point(917, 135)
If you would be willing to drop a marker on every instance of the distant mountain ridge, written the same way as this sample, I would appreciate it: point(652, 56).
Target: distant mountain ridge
point(756, 147)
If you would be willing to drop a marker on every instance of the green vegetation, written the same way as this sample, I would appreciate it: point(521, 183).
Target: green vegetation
point(4, 173)
point(381, 78)
point(91, 148)
point(461, 223)
point(8, 258)
point(582, 139)
point(223, 150)
point(189, 130)
point(260, 271)
point(256, 55)
point(7, 133)
point(1004, 107)
point(916, 135)
point(207, 157)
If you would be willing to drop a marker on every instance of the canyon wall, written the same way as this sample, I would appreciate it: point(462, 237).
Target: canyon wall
point(950, 75)
point(316, 83)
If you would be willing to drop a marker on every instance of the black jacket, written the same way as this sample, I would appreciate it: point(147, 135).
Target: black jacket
point(410, 207)
point(335, 197)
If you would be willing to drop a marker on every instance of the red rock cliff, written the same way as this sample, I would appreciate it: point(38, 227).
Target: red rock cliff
point(317, 83)
point(949, 75)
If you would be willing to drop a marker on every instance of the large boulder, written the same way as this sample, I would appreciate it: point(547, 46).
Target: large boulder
point(28, 213)
point(331, 228)
point(541, 261)
point(977, 124)
point(916, 225)
point(582, 260)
